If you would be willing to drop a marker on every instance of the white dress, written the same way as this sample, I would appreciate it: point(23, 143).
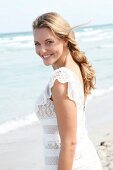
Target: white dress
point(86, 157)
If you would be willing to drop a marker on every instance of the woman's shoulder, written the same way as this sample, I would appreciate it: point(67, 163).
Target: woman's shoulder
point(62, 74)
point(74, 89)
point(66, 75)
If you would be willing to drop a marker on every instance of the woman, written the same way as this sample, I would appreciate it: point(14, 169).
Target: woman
point(61, 107)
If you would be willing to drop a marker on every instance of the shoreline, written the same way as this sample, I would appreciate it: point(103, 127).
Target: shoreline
point(22, 148)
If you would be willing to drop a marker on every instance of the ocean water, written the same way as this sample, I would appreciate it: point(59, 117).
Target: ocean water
point(23, 75)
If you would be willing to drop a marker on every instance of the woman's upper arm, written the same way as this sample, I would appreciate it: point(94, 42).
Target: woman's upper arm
point(66, 112)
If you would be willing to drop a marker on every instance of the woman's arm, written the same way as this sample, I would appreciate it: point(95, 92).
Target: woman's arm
point(66, 113)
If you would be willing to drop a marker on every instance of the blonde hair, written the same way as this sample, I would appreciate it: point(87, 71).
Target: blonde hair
point(63, 30)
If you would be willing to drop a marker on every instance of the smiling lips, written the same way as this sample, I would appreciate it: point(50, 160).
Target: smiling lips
point(46, 56)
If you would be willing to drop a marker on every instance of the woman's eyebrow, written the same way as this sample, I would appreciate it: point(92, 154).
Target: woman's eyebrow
point(48, 39)
point(44, 40)
point(36, 41)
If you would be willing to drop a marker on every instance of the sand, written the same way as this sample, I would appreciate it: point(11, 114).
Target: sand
point(21, 149)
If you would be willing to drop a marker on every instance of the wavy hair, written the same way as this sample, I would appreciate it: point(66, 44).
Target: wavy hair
point(63, 30)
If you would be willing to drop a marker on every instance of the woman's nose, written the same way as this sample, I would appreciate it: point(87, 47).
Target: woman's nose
point(42, 50)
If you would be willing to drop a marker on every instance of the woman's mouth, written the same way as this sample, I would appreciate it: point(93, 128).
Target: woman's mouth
point(46, 56)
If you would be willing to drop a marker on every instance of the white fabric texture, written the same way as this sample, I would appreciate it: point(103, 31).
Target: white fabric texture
point(86, 157)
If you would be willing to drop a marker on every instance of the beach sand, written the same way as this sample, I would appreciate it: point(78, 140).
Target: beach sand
point(21, 149)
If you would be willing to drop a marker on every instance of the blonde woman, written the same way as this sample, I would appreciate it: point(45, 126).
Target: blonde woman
point(61, 107)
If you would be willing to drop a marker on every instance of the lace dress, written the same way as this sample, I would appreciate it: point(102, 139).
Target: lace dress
point(86, 157)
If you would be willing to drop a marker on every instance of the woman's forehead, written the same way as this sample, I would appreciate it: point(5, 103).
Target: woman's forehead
point(43, 33)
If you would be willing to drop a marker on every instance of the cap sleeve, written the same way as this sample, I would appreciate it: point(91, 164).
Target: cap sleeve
point(75, 91)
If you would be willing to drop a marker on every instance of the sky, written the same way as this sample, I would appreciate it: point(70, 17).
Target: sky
point(17, 15)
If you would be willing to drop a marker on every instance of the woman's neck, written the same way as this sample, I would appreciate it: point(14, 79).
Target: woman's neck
point(64, 61)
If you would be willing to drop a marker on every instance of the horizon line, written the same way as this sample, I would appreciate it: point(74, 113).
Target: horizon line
point(30, 31)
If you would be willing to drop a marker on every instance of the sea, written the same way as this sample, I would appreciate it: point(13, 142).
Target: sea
point(23, 76)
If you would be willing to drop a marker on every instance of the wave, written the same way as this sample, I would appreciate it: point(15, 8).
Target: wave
point(89, 32)
point(16, 38)
point(19, 44)
point(85, 35)
point(92, 39)
point(107, 46)
point(17, 41)
point(17, 123)
point(100, 92)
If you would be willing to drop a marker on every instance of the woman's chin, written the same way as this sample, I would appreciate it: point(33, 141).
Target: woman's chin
point(47, 63)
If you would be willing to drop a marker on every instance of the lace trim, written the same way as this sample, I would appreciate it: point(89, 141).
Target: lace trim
point(52, 145)
point(85, 158)
point(44, 107)
point(46, 111)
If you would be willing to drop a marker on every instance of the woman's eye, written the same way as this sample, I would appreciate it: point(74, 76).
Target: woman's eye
point(49, 42)
point(36, 44)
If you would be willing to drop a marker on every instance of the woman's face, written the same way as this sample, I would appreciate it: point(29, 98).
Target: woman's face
point(48, 46)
